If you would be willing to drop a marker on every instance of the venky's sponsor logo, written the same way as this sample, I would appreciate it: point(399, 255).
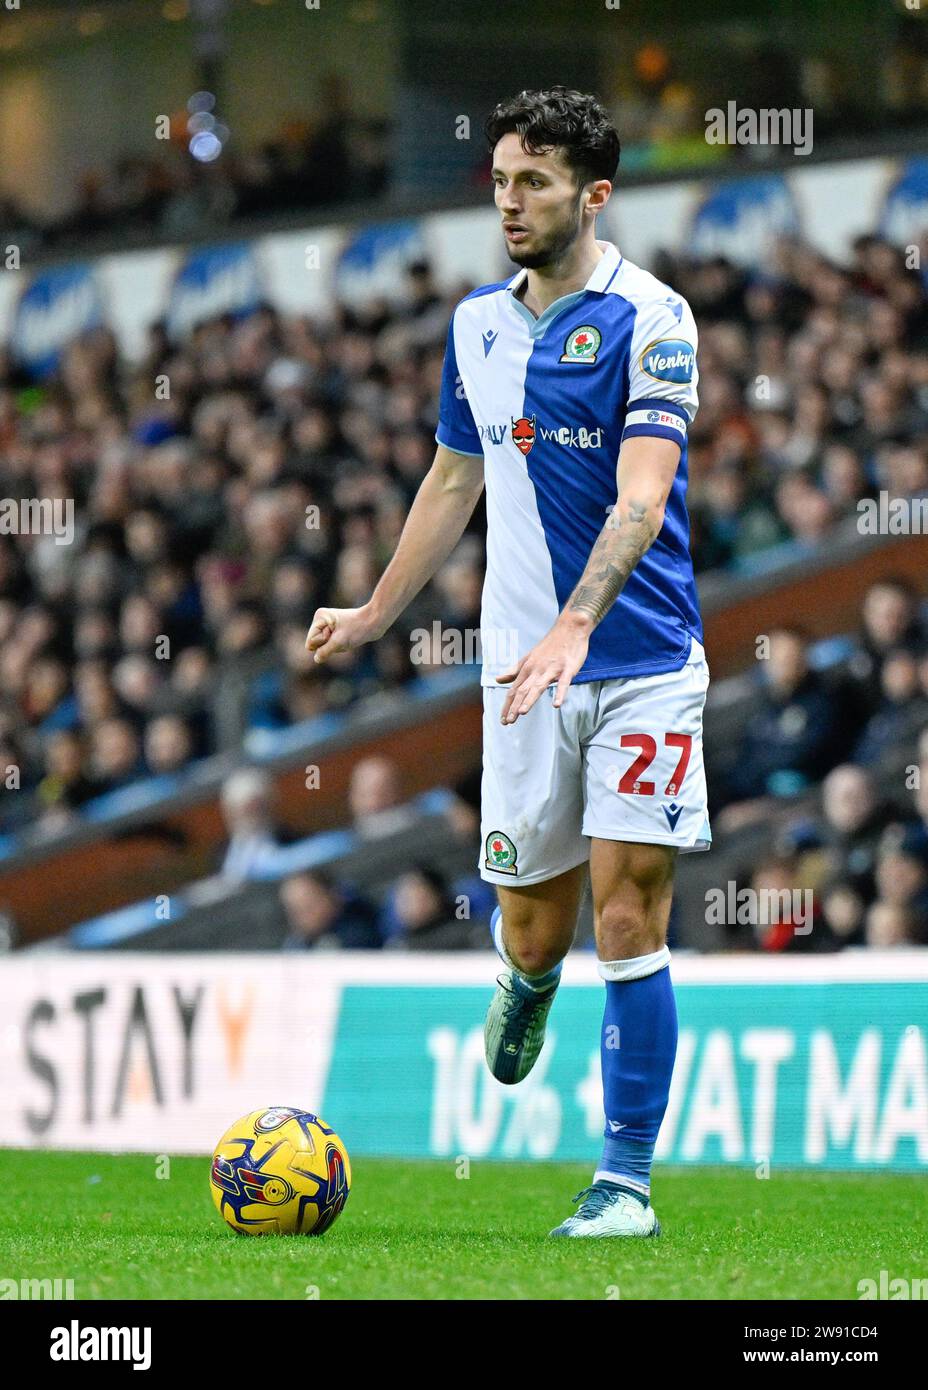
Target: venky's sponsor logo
point(669, 359)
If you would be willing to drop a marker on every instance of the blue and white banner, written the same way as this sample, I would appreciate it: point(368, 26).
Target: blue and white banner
point(214, 280)
point(740, 217)
point(374, 259)
point(56, 307)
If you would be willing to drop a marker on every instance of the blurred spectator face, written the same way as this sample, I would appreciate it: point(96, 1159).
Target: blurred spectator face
point(243, 631)
point(64, 757)
point(293, 586)
point(46, 686)
point(309, 904)
point(291, 643)
point(268, 523)
point(899, 677)
point(905, 472)
point(192, 670)
point(899, 877)
point(139, 624)
point(392, 659)
point(724, 491)
point(165, 583)
point(374, 787)
point(417, 901)
point(246, 802)
point(307, 697)
point(888, 925)
point(168, 745)
point(462, 587)
point(842, 475)
point(313, 432)
point(114, 750)
point(97, 581)
point(887, 615)
point(146, 537)
point(94, 633)
point(848, 798)
point(411, 455)
point(813, 518)
point(36, 627)
point(136, 680)
point(355, 576)
point(8, 618)
point(787, 664)
point(14, 664)
point(843, 911)
point(773, 876)
point(95, 694)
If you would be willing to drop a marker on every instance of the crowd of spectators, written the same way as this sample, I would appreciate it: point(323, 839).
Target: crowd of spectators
point(858, 731)
point(171, 195)
point(278, 474)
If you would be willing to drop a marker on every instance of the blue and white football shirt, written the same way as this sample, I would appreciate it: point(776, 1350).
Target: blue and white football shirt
point(547, 402)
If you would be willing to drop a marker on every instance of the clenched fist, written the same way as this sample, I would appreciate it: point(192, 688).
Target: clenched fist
point(334, 630)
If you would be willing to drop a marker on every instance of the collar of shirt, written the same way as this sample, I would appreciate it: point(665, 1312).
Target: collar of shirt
point(602, 276)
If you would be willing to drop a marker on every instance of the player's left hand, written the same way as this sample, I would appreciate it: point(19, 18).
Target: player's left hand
point(557, 657)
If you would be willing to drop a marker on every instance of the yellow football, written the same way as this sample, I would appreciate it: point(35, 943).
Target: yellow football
point(280, 1172)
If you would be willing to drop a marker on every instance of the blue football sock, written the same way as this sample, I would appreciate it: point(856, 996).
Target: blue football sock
point(536, 982)
point(638, 1047)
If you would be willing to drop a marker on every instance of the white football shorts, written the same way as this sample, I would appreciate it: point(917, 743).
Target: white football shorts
point(620, 760)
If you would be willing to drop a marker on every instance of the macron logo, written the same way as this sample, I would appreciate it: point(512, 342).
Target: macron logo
point(489, 338)
point(615, 1126)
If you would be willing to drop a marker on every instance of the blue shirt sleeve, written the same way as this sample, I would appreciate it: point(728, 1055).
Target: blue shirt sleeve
point(456, 428)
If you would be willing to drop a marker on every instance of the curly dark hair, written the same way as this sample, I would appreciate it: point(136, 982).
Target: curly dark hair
point(561, 118)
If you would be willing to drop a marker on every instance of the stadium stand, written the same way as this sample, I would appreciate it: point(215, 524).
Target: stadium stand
point(193, 540)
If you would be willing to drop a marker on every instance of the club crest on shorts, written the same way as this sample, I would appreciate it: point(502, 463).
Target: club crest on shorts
point(582, 345)
point(501, 853)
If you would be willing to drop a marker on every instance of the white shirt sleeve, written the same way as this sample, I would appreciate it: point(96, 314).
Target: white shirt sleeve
point(662, 372)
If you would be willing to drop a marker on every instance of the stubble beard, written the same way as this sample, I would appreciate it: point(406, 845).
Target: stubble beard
point(555, 248)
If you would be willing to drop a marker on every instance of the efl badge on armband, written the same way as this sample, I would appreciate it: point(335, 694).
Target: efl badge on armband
point(501, 853)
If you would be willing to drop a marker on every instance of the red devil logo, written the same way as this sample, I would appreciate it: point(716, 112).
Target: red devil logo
point(523, 433)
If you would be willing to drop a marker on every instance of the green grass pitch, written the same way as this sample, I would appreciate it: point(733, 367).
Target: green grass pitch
point(414, 1230)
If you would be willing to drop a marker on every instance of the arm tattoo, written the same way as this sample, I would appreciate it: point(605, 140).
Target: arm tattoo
point(619, 546)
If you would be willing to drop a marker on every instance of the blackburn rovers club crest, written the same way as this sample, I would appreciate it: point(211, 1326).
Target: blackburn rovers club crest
point(582, 345)
point(523, 433)
point(501, 853)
